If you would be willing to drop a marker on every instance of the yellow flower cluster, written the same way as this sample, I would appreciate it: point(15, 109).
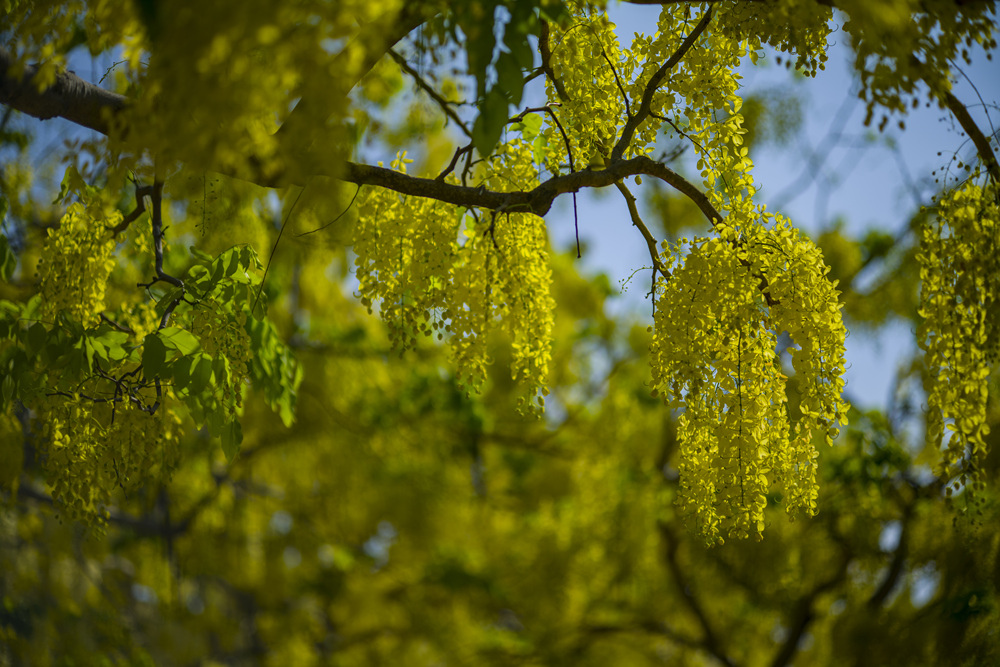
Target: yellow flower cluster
point(592, 110)
point(225, 336)
point(406, 247)
point(960, 303)
point(76, 262)
point(714, 357)
point(87, 456)
point(432, 270)
point(705, 85)
point(786, 25)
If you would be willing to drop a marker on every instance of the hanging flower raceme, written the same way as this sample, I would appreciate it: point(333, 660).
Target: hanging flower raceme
point(718, 321)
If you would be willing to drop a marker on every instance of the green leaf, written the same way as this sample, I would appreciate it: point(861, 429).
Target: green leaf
point(475, 20)
point(181, 371)
point(93, 349)
point(232, 436)
point(249, 258)
point(509, 78)
point(168, 298)
point(8, 261)
point(37, 336)
point(182, 340)
point(115, 342)
point(201, 373)
point(154, 353)
point(529, 127)
point(489, 125)
point(72, 181)
point(30, 311)
point(220, 366)
point(198, 278)
point(540, 148)
point(200, 255)
point(517, 41)
point(260, 309)
point(219, 269)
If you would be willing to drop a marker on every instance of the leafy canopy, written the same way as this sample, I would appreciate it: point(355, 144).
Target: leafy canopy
point(194, 269)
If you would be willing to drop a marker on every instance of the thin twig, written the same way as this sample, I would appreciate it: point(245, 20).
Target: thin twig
point(618, 81)
point(275, 247)
point(651, 243)
point(454, 161)
point(433, 94)
point(116, 325)
point(342, 214)
point(964, 119)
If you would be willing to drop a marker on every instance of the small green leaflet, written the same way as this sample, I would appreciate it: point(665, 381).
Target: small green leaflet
point(232, 436)
point(175, 338)
point(489, 125)
point(529, 127)
point(154, 353)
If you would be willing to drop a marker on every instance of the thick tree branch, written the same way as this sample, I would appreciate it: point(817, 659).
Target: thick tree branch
point(537, 201)
point(91, 106)
point(70, 97)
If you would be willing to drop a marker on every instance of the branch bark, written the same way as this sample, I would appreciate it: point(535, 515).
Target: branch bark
point(710, 640)
point(639, 223)
point(803, 615)
point(93, 107)
point(538, 200)
point(964, 118)
point(70, 97)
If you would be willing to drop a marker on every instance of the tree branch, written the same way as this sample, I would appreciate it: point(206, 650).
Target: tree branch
point(710, 641)
point(433, 94)
point(633, 211)
point(964, 119)
point(91, 106)
point(804, 615)
point(646, 105)
point(70, 97)
point(140, 207)
point(546, 55)
point(537, 201)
